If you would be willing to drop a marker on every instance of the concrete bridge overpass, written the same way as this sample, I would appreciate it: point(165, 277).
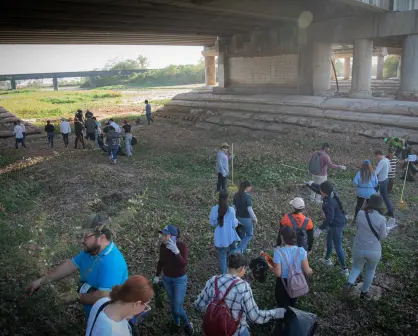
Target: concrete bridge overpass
point(55, 75)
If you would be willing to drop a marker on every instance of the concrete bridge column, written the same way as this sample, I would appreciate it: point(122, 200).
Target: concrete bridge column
point(347, 67)
point(55, 83)
point(321, 56)
point(380, 64)
point(13, 83)
point(362, 69)
point(210, 67)
point(409, 69)
point(332, 68)
point(92, 82)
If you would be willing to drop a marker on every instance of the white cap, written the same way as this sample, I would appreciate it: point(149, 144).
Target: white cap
point(297, 203)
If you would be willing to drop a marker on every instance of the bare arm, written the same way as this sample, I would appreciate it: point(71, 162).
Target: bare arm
point(305, 267)
point(277, 270)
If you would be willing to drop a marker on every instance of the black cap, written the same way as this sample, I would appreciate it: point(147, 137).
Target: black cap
point(325, 145)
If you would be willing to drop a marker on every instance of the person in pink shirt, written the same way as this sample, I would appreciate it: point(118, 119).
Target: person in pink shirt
point(318, 167)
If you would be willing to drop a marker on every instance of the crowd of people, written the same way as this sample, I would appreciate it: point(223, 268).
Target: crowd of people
point(114, 303)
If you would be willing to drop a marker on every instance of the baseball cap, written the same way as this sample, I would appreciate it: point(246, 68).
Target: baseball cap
point(366, 162)
point(169, 229)
point(224, 144)
point(297, 203)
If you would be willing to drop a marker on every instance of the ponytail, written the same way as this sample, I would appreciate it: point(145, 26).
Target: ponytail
point(115, 293)
point(223, 207)
point(338, 201)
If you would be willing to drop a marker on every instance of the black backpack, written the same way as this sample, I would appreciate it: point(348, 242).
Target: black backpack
point(296, 323)
point(301, 234)
point(259, 269)
point(315, 164)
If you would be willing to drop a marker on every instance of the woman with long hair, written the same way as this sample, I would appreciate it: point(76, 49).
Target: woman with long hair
point(367, 249)
point(366, 182)
point(334, 221)
point(109, 315)
point(172, 262)
point(245, 213)
point(223, 217)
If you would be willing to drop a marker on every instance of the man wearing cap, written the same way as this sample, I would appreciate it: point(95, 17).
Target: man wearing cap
point(222, 166)
point(65, 130)
point(319, 171)
point(298, 221)
point(101, 265)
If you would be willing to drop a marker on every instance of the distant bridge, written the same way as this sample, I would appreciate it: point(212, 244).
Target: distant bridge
point(55, 75)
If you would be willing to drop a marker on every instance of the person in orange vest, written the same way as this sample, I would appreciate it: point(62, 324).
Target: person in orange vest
point(300, 223)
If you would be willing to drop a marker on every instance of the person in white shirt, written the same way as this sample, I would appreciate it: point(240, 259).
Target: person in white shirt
point(18, 131)
point(115, 126)
point(65, 130)
point(382, 171)
point(109, 316)
point(222, 166)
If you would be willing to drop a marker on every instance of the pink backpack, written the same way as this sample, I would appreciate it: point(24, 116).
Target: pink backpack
point(296, 282)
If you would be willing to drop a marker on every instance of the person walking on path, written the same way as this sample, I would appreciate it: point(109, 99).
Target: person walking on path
point(110, 315)
point(382, 172)
point(222, 216)
point(366, 183)
point(49, 129)
point(113, 143)
point(290, 254)
point(91, 126)
point(128, 138)
point(101, 265)
point(334, 222)
point(19, 136)
point(367, 248)
point(245, 213)
point(78, 130)
point(79, 115)
point(65, 130)
point(393, 163)
point(238, 297)
point(148, 112)
point(299, 222)
point(318, 167)
point(98, 132)
point(222, 166)
point(172, 262)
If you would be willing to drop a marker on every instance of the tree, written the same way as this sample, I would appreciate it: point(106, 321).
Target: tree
point(142, 61)
point(339, 68)
point(390, 68)
point(129, 64)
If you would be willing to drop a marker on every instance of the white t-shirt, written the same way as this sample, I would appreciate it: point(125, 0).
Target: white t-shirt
point(18, 131)
point(115, 126)
point(105, 326)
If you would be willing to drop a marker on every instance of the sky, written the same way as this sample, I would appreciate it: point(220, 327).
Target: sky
point(15, 59)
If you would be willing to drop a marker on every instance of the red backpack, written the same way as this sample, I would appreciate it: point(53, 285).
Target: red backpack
point(218, 318)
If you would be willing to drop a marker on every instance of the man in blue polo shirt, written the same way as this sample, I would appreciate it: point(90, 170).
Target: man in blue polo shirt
point(101, 265)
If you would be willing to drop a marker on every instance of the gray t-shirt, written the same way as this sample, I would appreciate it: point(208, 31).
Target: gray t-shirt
point(365, 239)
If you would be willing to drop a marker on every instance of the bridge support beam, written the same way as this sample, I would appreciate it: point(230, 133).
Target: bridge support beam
point(409, 70)
point(361, 80)
point(380, 64)
point(210, 67)
point(347, 67)
point(13, 83)
point(92, 82)
point(55, 83)
point(321, 56)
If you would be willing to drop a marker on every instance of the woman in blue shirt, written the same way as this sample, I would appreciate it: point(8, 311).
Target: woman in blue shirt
point(366, 181)
point(223, 217)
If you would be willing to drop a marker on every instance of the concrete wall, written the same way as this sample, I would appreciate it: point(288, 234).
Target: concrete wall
point(279, 70)
point(405, 5)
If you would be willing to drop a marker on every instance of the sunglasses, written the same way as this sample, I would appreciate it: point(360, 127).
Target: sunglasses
point(87, 236)
point(147, 308)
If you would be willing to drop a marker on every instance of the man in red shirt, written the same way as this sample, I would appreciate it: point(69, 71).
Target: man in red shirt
point(297, 220)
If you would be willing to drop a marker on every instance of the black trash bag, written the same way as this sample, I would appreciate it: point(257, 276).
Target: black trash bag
point(134, 141)
point(240, 231)
point(296, 323)
point(259, 268)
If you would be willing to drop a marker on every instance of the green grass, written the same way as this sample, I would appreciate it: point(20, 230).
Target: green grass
point(49, 104)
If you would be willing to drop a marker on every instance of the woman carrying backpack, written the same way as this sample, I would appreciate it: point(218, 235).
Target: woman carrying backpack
point(231, 318)
point(286, 258)
point(173, 261)
point(223, 217)
point(367, 249)
point(245, 213)
point(334, 221)
point(109, 315)
point(366, 181)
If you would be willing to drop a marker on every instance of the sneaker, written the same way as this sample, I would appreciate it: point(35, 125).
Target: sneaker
point(345, 272)
point(188, 329)
point(346, 290)
point(364, 295)
point(325, 261)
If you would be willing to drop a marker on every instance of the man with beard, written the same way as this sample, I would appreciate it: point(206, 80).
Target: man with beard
point(101, 265)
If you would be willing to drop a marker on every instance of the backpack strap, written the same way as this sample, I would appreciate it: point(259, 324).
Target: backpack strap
point(293, 221)
point(233, 283)
point(305, 223)
point(229, 288)
point(371, 226)
point(284, 257)
point(103, 306)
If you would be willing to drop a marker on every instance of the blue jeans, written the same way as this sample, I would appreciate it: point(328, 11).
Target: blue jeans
point(249, 233)
point(114, 151)
point(176, 291)
point(335, 239)
point(383, 189)
point(128, 145)
point(51, 139)
point(364, 259)
point(223, 255)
